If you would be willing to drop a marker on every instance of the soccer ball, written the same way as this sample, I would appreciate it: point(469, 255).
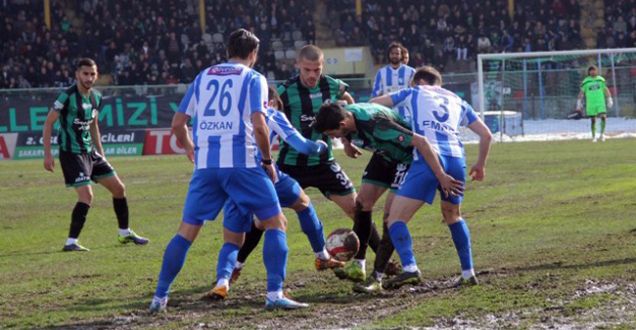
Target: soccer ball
point(343, 244)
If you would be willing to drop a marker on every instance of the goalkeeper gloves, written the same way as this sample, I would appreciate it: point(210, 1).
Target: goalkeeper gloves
point(579, 105)
point(610, 102)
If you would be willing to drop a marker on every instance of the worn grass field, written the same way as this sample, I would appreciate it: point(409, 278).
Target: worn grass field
point(553, 228)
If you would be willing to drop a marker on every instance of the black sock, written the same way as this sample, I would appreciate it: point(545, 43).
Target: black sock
point(78, 217)
point(251, 241)
point(121, 210)
point(362, 228)
point(374, 238)
point(383, 255)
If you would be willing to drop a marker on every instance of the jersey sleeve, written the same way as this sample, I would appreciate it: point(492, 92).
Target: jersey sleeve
point(341, 86)
point(377, 85)
point(188, 103)
point(390, 131)
point(258, 94)
point(468, 115)
point(400, 97)
point(279, 125)
point(60, 102)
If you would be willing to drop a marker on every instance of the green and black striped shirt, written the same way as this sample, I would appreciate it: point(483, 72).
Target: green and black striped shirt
point(301, 107)
point(77, 112)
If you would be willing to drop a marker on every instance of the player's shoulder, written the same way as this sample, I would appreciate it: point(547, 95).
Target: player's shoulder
point(70, 90)
point(409, 68)
point(293, 81)
point(96, 93)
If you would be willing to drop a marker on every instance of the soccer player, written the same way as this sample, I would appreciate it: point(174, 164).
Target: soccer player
point(290, 195)
point(394, 76)
point(405, 56)
point(302, 97)
point(377, 128)
point(436, 114)
point(82, 155)
point(227, 104)
point(596, 95)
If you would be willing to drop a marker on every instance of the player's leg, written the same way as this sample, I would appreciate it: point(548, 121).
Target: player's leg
point(76, 169)
point(252, 238)
point(204, 200)
point(461, 238)
point(593, 128)
point(603, 122)
point(233, 238)
point(104, 174)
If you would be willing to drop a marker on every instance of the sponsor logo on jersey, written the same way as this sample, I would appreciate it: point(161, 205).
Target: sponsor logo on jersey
point(225, 70)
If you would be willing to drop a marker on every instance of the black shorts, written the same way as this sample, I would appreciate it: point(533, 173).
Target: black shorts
point(80, 169)
point(384, 173)
point(329, 178)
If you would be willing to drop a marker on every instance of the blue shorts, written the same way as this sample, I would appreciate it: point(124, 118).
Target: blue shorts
point(249, 188)
point(288, 191)
point(420, 183)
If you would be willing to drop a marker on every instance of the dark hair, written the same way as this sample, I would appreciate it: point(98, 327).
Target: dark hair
point(273, 96)
point(329, 117)
point(85, 61)
point(241, 44)
point(392, 45)
point(310, 53)
point(428, 74)
point(591, 67)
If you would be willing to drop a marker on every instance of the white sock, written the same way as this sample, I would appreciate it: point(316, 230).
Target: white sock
point(238, 265)
point(124, 232)
point(223, 282)
point(466, 274)
point(411, 268)
point(70, 241)
point(275, 295)
point(323, 255)
point(378, 276)
point(362, 263)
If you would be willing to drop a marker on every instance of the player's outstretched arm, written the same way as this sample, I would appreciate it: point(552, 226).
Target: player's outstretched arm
point(49, 163)
point(347, 98)
point(450, 186)
point(304, 146)
point(385, 100)
point(478, 171)
point(608, 97)
point(261, 134)
point(349, 149)
point(579, 101)
point(180, 131)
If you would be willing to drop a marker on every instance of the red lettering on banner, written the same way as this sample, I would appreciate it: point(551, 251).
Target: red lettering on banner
point(4, 151)
point(161, 142)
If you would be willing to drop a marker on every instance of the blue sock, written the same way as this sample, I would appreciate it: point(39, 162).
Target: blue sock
point(275, 258)
point(173, 259)
point(461, 238)
point(227, 259)
point(402, 242)
point(312, 227)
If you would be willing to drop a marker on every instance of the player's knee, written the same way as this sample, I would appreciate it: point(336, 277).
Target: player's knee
point(119, 191)
point(85, 197)
point(363, 204)
point(301, 203)
point(276, 222)
point(450, 214)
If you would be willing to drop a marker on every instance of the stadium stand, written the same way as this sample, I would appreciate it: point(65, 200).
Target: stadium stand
point(142, 42)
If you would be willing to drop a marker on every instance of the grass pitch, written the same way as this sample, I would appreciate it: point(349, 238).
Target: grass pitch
point(553, 229)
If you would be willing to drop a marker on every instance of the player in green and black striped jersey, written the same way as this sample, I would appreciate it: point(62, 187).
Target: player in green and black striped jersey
point(81, 153)
point(381, 130)
point(302, 96)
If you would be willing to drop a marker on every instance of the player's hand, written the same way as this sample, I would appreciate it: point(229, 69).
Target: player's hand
point(271, 172)
point(322, 147)
point(351, 150)
point(49, 163)
point(190, 155)
point(451, 186)
point(477, 172)
point(610, 102)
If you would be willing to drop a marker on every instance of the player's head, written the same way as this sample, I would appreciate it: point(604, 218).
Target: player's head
point(394, 53)
point(334, 121)
point(243, 45)
point(427, 75)
point(310, 62)
point(274, 99)
point(405, 56)
point(592, 71)
point(86, 72)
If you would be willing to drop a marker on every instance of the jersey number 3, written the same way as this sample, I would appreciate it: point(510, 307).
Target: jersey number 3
point(442, 106)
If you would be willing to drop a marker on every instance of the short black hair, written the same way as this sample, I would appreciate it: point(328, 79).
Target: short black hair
point(310, 53)
point(241, 44)
point(428, 74)
point(273, 96)
point(85, 61)
point(329, 117)
point(591, 67)
point(392, 45)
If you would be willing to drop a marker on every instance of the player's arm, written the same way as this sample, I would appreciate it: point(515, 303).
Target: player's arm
point(579, 100)
point(478, 171)
point(347, 98)
point(377, 85)
point(343, 93)
point(97, 137)
point(384, 100)
point(349, 149)
point(393, 99)
point(608, 97)
point(257, 106)
point(181, 132)
point(279, 124)
point(51, 118)
point(450, 186)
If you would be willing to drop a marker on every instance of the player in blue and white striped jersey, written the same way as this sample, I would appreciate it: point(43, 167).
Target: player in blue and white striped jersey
point(289, 193)
point(227, 104)
point(394, 76)
point(437, 114)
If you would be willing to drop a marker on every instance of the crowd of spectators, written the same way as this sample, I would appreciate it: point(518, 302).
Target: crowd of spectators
point(143, 41)
point(620, 25)
point(440, 31)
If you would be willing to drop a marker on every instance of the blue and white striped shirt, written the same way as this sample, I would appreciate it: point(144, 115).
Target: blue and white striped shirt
point(280, 126)
point(437, 114)
point(220, 102)
point(389, 80)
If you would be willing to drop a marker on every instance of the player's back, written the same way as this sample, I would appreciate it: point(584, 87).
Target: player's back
point(225, 96)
